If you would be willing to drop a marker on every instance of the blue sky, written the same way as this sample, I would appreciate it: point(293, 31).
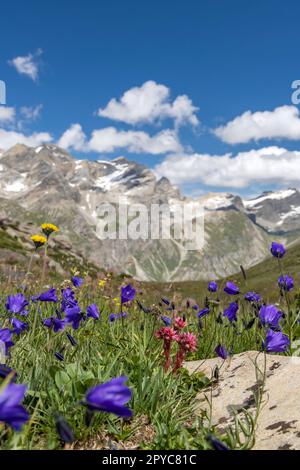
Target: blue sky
point(225, 57)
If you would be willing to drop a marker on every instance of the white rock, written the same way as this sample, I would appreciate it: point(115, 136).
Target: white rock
point(278, 425)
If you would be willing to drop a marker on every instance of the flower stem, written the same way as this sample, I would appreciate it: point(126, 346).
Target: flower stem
point(289, 313)
point(44, 263)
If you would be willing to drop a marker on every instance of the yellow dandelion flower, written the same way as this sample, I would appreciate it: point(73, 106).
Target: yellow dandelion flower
point(75, 271)
point(102, 283)
point(48, 229)
point(38, 240)
point(117, 302)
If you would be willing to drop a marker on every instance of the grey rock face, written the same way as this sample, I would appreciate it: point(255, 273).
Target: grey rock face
point(277, 212)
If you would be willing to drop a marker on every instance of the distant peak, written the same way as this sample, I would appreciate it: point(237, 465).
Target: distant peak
point(120, 160)
point(218, 201)
point(163, 181)
point(280, 194)
point(51, 148)
point(18, 148)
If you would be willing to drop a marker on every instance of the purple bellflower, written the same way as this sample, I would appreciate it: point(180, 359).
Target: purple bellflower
point(276, 341)
point(270, 316)
point(11, 410)
point(127, 293)
point(110, 397)
point(277, 250)
point(231, 311)
point(93, 312)
point(231, 288)
point(17, 304)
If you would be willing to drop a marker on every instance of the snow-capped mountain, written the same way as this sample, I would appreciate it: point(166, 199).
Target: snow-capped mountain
point(221, 201)
point(47, 183)
point(277, 212)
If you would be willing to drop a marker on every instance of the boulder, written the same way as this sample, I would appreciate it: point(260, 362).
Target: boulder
point(241, 379)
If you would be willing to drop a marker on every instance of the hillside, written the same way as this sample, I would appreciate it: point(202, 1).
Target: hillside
point(261, 278)
point(16, 251)
point(47, 183)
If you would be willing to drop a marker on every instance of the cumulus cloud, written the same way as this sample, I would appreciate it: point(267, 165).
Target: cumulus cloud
point(74, 137)
point(27, 65)
point(281, 123)
point(109, 139)
point(7, 115)
point(10, 115)
point(31, 113)
point(269, 165)
point(150, 103)
point(10, 138)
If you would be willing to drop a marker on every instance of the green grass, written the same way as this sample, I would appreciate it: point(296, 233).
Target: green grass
point(19, 246)
point(162, 402)
point(105, 350)
point(7, 242)
point(260, 278)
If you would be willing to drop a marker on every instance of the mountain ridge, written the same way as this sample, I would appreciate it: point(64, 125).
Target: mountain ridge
point(48, 182)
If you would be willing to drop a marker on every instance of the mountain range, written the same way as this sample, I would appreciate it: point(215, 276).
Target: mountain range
point(47, 184)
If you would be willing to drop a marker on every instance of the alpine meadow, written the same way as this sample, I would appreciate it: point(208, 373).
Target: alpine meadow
point(149, 231)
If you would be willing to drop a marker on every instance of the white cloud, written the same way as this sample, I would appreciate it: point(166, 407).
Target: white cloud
point(74, 137)
point(150, 103)
point(10, 138)
point(7, 115)
point(27, 65)
point(31, 113)
point(269, 165)
point(109, 139)
point(281, 123)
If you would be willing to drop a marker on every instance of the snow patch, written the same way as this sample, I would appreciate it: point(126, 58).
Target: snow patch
point(273, 195)
point(218, 201)
point(113, 179)
point(105, 162)
point(15, 187)
point(78, 164)
point(294, 212)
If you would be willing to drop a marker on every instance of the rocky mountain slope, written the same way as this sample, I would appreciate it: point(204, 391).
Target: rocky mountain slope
point(277, 212)
point(46, 183)
point(16, 249)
